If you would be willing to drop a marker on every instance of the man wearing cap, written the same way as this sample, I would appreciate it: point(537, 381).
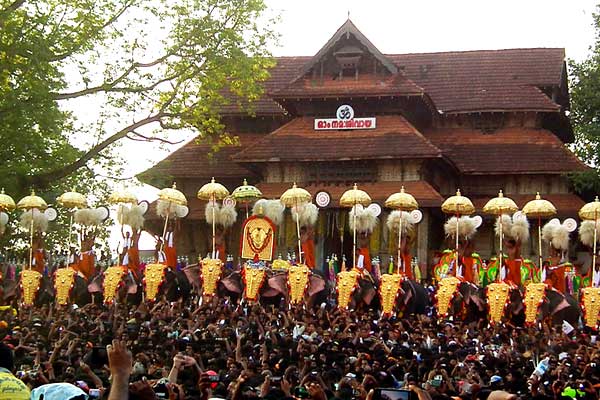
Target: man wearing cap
point(11, 388)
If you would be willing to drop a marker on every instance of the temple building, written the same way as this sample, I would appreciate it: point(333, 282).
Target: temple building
point(478, 121)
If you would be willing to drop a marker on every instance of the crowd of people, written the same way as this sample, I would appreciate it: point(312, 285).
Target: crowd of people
point(224, 350)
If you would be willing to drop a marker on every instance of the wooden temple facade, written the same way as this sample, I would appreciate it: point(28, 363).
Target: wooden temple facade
point(480, 121)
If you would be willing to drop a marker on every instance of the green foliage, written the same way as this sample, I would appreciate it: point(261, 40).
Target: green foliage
point(140, 68)
point(585, 114)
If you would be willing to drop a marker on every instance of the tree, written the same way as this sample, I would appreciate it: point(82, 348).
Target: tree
point(152, 65)
point(585, 114)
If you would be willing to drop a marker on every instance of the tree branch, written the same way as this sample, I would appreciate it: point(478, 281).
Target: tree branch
point(13, 7)
point(144, 138)
point(43, 180)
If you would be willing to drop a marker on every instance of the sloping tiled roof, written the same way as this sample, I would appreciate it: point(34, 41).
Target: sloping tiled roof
point(495, 80)
point(196, 160)
point(509, 150)
point(423, 192)
point(365, 85)
point(467, 81)
point(394, 137)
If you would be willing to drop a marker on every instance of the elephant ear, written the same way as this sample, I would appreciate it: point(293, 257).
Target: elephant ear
point(279, 283)
point(316, 285)
point(192, 273)
point(233, 283)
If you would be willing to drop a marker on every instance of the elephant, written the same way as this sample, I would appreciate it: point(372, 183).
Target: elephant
point(468, 302)
point(556, 307)
point(316, 292)
point(415, 298)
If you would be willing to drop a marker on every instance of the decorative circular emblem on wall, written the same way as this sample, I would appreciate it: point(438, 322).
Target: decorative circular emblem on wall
point(344, 112)
point(322, 199)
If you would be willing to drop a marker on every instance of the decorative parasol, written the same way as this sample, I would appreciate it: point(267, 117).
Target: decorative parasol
point(72, 200)
point(404, 202)
point(351, 198)
point(213, 191)
point(246, 194)
point(591, 211)
point(539, 208)
point(172, 196)
point(498, 206)
point(295, 197)
point(458, 205)
point(6, 202)
point(122, 196)
point(30, 203)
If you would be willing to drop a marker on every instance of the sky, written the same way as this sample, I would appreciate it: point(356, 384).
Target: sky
point(396, 26)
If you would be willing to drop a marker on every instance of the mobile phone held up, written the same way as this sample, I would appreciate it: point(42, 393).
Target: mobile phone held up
point(394, 394)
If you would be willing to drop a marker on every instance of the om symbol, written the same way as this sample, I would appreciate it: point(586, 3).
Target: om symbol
point(345, 112)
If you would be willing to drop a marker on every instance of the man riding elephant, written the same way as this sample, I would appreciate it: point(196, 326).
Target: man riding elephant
point(515, 231)
point(469, 262)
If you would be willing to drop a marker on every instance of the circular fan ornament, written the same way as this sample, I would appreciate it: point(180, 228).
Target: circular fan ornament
point(375, 209)
point(498, 206)
point(322, 199)
point(353, 198)
point(539, 208)
point(402, 201)
point(213, 191)
point(293, 198)
point(6, 202)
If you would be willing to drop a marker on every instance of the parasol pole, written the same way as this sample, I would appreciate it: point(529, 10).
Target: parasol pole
point(214, 243)
point(456, 255)
point(31, 242)
point(594, 255)
point(400, 245)
point(164, 235)
point(246, 203)
point(500, 247)
point(354, 238)
point(298, 233)
point(70, 234)
point(540, 243)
